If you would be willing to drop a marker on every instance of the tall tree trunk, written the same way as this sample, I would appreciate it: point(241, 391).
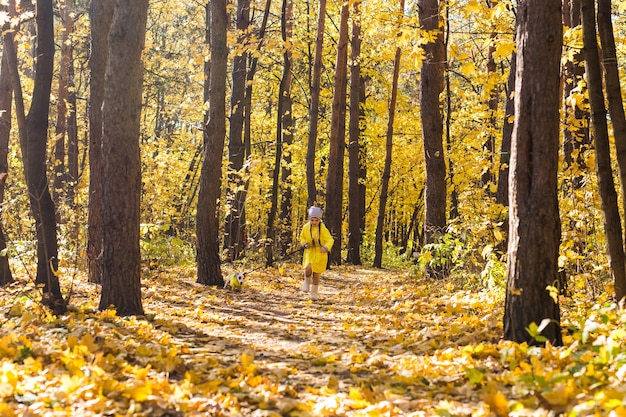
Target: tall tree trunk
point(384, 187)
point(502, 193)
point(287, 127)
point(100, 16)
point(58, 184)
point(72, 138)
point(616, 107)
point(6, 95)
point(207, 224)
point(356, 160)
point(315, 104)
point(576, 130)
point(488, 178)
point(606, 186)
point(534, 226)
point(454, 192)
point(234, 229)
point(42, 206)
point(121, 193)
point(284, 126)
point(334, 179)
point(382, 207)
point(432, 83)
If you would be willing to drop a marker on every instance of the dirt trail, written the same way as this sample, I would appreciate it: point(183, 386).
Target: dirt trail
point(369, 343)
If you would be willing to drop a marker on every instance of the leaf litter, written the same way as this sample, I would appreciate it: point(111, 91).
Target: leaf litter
point(377, 343)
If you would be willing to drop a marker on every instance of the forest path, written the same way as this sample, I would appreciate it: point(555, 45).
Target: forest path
point(377, 341)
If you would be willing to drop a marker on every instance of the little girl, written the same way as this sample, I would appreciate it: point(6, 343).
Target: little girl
point(316, 240)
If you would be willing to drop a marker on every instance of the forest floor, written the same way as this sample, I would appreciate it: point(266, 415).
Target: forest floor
point(377, 343)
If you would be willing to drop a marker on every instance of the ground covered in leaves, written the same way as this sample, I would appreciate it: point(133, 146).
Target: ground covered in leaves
point(377, 343)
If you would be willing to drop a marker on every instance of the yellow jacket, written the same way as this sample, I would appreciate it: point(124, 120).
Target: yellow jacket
point(315, 237)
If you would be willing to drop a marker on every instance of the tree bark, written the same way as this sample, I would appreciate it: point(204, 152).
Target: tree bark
point(100, 16)
point(334, 179)
point(432, 83)
point(606, 186)
point(42, 206)
point(356, 152)
point(235, 220)
point(502, 193)
point(384, 188)
point(616, 108)
point(59, 181)
point(207, 224)
point(121, 193)
point(576, 132)
point(534, 225)
point(6, 95)
point(315, 104)
point(287, 127)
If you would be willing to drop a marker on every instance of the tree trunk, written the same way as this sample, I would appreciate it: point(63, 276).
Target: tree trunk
point(454, 193)
point(378, 247)
point(121, 193)
point(576, 132)
point(334, 179)
point(315, 104)
point(356, 160)
point(207, 224)
point(284, 126)
point(432, 83)
point(616, 107)
point(72, 139)
point(6, 95)
point(287, 127)
point(234, 229)
point(534, 226)
point(606, 186)
point(58, 184)
point(502, 193)
point(42, 206)
point(100, 16)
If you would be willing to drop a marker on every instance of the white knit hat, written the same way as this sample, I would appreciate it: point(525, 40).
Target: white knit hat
point(315, 212)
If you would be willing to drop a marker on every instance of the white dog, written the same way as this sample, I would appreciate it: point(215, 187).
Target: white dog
point(234, 280)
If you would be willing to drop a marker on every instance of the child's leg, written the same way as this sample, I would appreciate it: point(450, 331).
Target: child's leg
point(308, 271)
point(315, 286)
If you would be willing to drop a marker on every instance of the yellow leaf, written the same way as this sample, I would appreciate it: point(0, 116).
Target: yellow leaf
point(497, 403)
point(246, 359)
point(139, 391)
point(468, 69)
point(89, 342)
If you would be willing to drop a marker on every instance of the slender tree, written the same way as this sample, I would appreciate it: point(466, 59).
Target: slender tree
point(42, 206)
point(287, 127)
point(207, 222)
point(384, 188)
point(534, 224)
point(6, 95)
point(100, 16)
point(121, 193)
point(606, 185)
point(235, 221)
point(356, 160)
point(335, 176)
point(432, 83)
point(58, 184)
point(315, 104)
point(615, 103)
point(502, 193)
point(576, 129)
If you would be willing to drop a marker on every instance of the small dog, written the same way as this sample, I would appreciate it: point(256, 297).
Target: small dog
point(234, 280)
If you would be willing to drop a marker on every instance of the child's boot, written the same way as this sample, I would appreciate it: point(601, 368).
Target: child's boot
point(314, 294)
point(307, 282)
